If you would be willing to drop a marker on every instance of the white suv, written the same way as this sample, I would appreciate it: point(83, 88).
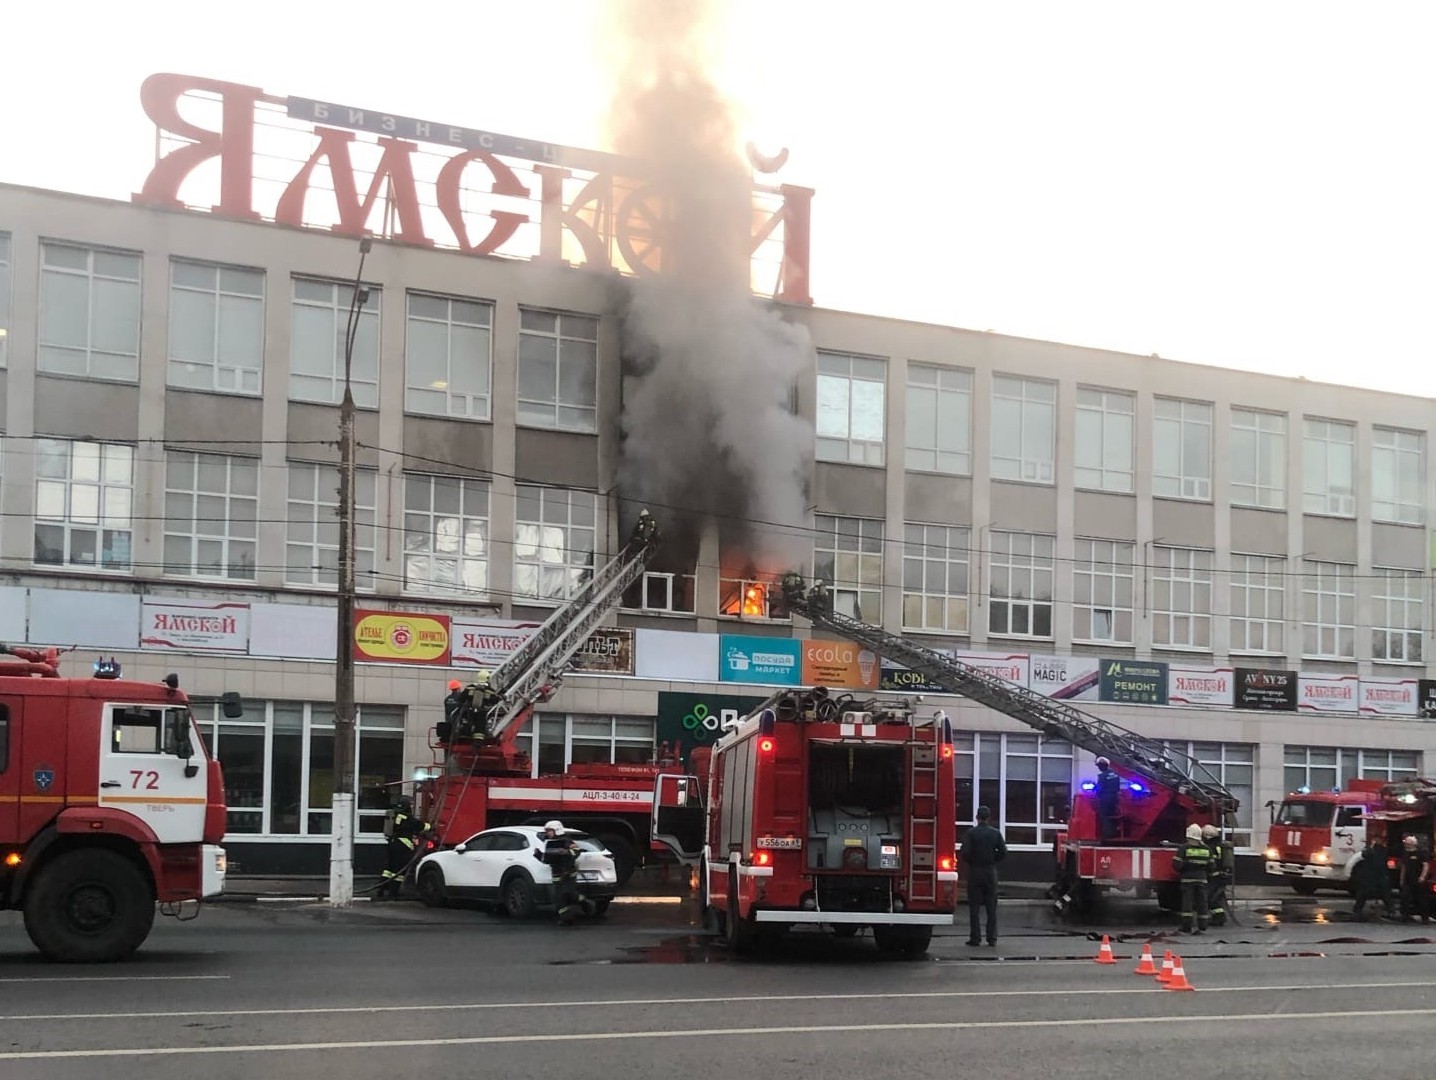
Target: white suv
point(504, 869)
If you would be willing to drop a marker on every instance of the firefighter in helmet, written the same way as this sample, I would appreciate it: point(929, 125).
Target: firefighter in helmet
point(403, 830)
point(561, 853)
point(453, 708)
point(645, 529)
point(1222, 870)
point(818, 596)
point(1193, 862)
point(1414, 871)
point(1109, 792)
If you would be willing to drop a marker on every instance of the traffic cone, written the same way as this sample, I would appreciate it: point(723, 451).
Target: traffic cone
point(1146, 966)
point(1165, 975)
point(1104, 954)
point(1179, 978)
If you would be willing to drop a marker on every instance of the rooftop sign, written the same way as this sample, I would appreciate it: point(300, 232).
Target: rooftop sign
point(241, 153)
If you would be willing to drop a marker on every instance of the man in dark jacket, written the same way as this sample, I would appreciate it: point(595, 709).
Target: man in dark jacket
point(1194, 863)
point(402, 831)
point(1219, 879)
point(1371, 879)
point(1109, 791)
point(1413, 880)
point(561, 853)
point(982, 849)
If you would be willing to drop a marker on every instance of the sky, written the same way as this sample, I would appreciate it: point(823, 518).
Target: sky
point(1242, 184)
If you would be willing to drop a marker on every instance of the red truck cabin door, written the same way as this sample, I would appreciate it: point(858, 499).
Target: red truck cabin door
point(10, 715)
point(145, 772)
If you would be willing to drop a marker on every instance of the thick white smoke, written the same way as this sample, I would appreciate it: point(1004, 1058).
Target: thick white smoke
point(706, 416)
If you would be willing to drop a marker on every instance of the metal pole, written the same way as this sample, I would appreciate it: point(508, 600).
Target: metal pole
point(341, 853)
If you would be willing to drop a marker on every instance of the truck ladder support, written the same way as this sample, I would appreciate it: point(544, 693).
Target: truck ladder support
point(1055, 719)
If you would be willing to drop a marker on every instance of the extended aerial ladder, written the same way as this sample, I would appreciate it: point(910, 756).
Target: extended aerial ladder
point(483, 718)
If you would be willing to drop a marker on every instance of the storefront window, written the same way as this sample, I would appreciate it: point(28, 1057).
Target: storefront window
point(1025, 780)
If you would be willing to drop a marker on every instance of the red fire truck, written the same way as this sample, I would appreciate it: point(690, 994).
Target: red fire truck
point(480, 778)
point(1314, 835)
point(1163, 790)
point(108, 804)
point(821, 810)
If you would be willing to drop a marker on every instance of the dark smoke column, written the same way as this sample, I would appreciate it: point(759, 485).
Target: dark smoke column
point(707, 434)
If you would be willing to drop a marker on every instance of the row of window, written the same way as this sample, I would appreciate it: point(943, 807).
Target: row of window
point(278, 767)
point(851, 428)
point(1182, 586)
point(90, 304)
point(84, 517)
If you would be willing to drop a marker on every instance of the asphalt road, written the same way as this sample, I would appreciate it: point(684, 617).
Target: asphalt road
point(285, 991)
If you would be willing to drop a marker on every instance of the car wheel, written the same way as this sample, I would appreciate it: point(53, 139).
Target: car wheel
point(601, 904)
point(431, 887)
point(518, 895)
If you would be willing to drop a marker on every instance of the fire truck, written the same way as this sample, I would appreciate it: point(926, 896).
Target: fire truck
point(1407, 808)
point(480, 779)
point(109, 804)
point(1163, 790)
point(820, 810)
point(1314, 835)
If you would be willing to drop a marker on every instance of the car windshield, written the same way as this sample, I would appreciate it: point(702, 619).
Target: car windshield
point(1305, 813)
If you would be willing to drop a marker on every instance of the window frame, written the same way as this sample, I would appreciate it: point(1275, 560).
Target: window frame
point(221, 532)
point(858, 372)
point(482, 490)
point(955, 542)
point(952, 460)
point(1088, 570)
point(102, 487)
point(1007, 565)
point(577, 567)
point(364, 388)
point(1192, 482)
point(1094, 402)
point(7, 274)
point(1385, 601)
point(558, 405)
point(1317, 573)
point(89, 350)
point(365, 527)
point(217, 294)
point(1242, 578)
point(1393, 507)
point(1188, 572)
point(1266, 434)
point(448, 323)
point(1025, 395)
point(848, 553)
point(1316, 441)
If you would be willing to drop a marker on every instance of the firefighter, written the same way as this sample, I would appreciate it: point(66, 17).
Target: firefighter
point(982, 849)
point(561, 854)
point(645, 529)
point(1109, 790)
point(1222, 870)
point(1193, 862)
point(1414, 871)
point(403, 830)
point(818, 595)
point(1371, 878)
point(454, 707)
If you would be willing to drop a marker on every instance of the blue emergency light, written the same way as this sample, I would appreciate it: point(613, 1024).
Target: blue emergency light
point(1088, 785)
point(107, 669)
point(1137, 787)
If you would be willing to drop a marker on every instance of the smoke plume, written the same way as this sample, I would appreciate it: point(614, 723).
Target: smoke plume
point(709, 370)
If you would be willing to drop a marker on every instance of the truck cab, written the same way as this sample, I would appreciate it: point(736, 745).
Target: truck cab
point(1314, 836)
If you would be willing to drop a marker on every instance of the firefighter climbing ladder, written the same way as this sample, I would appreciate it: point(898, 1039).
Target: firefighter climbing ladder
point(1055, 719)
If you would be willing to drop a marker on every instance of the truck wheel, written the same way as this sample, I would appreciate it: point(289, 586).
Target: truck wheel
point(431, 887)
point(1304, 887)
point(601, 905)
point(89, 907)
point(518, 895)
point(740, 931)
point(908, 942)
point(625, 858)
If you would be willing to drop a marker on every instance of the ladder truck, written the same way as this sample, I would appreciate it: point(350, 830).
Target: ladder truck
point(480, 778)
point(1163, 790)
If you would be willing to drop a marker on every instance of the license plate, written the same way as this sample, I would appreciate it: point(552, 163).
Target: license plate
point(780, 843)
point(590, 875)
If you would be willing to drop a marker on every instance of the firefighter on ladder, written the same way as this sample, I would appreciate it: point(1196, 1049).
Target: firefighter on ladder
point(1220, 879)
point(402, 829)
point(645, 529)
point(1193, 862)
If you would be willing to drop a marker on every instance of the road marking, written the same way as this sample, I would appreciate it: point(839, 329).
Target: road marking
point(114, 978)
point(340, 1010)
point(695, 1033)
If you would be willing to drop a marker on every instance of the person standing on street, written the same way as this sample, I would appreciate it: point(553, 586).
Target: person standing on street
point(561, 854)
point(1220, 878)
point(402, 830)
point(1414, 871)
point(982, 849)
point(1193, 862)
point(1370, 879)
point(1109, 792)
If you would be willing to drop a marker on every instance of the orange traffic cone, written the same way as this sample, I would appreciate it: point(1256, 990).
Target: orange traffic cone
point(1179, 978)
point(1146, 966)
point(1165, 975)
point(1104, 954)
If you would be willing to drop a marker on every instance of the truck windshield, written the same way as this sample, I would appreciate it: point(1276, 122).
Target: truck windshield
point(1315, 814)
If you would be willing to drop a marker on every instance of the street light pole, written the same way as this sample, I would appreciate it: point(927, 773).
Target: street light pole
point(341, 852)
